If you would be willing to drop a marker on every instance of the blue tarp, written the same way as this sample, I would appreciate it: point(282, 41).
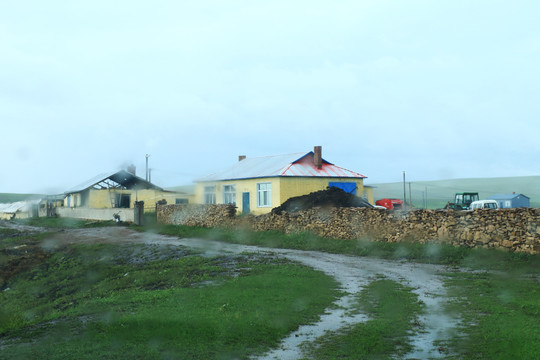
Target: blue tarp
point(349, 187)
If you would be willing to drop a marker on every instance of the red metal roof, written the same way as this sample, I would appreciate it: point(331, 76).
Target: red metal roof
point(297, 164)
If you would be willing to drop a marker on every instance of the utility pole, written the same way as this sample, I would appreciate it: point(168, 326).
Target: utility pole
point(404, 191)
point(147, 173)
point(410, 195)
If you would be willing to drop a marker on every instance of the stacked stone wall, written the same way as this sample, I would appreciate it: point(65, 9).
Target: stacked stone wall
point(509, 229)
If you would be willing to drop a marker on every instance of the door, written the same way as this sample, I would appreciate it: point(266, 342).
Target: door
point(245, 203)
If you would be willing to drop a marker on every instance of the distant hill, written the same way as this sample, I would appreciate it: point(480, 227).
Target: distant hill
point(10, 198)
point(438, 193)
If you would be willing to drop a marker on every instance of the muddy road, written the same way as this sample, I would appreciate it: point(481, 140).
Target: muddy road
point(353, 273)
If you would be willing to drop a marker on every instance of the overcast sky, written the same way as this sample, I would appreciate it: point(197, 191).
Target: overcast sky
point(439, 89)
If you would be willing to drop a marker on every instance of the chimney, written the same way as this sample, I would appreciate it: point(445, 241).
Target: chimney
point(241, 157)
point(132, 169)
point(317, 157)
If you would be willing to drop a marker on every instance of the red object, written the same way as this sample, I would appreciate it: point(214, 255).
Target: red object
point(390, 204)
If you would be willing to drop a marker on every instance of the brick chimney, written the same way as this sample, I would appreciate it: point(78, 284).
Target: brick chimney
point(317, 157)
point(132, 169)
point(241, 157)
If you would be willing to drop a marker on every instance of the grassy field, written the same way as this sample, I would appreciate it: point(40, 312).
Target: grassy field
point(500, 312)
point(496, 294)
point(438, 193)
point(104, 301)
point(140, 301)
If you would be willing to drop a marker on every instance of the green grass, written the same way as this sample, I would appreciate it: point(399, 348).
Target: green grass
point(500, 314)
point(105, 301)
point(439, 192)
point(392, 310)
point(139, 301)
point(499, 305)
point(409, 251)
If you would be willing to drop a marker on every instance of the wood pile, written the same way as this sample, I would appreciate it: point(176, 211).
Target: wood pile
point(509, 229)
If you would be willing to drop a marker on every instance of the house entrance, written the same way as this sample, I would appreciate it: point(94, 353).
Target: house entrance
point(245, 203)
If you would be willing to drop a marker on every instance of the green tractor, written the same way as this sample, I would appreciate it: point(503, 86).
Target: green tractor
point(462, 201)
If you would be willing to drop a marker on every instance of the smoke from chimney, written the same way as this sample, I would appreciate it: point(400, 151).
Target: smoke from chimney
point(132, 169)
point(317, 158)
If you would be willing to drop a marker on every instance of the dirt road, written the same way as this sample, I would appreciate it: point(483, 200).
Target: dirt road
point(353, 273)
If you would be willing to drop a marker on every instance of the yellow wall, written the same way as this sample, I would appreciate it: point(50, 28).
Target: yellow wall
point(100, 199)
point(242, 186)
point(368, 194)
point(73, 200)
point(283, 188)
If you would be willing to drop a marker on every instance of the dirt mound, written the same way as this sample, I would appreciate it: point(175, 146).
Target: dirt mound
point(331, 197)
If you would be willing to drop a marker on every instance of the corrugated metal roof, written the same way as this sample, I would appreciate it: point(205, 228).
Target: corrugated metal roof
point(121, 177)
point(296, 164)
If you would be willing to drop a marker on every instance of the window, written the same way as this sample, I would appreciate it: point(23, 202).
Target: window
point(264, 194)
point(210, 194)
point(123, 201)
point(229, 194)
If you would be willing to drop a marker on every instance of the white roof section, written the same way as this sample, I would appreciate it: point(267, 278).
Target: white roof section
point(294, 165)
point(19, 206)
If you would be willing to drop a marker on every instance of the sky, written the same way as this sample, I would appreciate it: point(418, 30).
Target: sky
point(439, 89)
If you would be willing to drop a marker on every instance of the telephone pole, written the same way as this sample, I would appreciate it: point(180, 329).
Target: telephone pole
point(404, 191)
point(147, 173)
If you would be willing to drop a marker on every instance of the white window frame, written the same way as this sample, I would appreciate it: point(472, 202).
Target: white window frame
point(210, 194)
point(264, 194)
point(229, 194)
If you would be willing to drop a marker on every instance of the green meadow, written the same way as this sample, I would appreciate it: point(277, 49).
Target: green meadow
point(438, 193)
point(89, 300)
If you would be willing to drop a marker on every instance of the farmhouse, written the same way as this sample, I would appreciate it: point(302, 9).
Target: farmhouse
point(118, 190)
point(507, 201)
point(256, 185)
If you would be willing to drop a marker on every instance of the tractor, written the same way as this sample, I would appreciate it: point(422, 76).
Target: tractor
point(462, 201)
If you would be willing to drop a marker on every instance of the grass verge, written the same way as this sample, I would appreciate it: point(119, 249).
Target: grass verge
point(426, 253)
point(392, 309)
point(500, 314)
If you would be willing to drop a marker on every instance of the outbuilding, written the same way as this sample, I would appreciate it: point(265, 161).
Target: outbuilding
point(509, 201)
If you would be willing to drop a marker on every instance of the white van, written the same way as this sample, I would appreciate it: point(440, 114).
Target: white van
point(485, 204)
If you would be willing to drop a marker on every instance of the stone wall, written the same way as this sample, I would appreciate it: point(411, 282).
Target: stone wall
point(510, 229)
